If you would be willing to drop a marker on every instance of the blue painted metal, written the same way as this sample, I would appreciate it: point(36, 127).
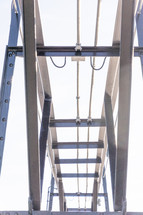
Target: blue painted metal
point(139, 25)
point(7, 77)
point(105, 191)
point(44, 135)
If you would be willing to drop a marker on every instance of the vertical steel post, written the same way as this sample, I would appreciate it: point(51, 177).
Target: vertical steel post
point(126, 52)
point(8, 70)
point(31, 102)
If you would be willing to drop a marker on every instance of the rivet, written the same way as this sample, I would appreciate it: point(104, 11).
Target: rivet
point(11, 65)
point(8, 82)
point(6, 100)
point(10, 54)
point(1, 138)
point(3, 119)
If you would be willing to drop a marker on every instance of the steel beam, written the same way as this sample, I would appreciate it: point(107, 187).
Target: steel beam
point(79, 209)
point(44, 135)
point(43, 76)
point(110, 137)
point(31, 103)
point(105, 190)
point(77, 175)
point(95, 195)
point(72, 123)
point(68, 51)
point(61, 195)
point(80, 194)
point(124, 102)
point(139, 21)
point(7, 75)
point(79, 161)
point(50, 203)
point(66, 213)
point(110, 89)
point(79, 145)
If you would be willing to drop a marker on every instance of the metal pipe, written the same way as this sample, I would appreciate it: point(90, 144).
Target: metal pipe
point(78, 21)
point(91, 89)
point(78, 116)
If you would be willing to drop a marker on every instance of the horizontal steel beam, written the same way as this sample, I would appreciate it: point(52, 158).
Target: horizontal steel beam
point(80, 194)
point(79, 161)
point(66, 213)
point(74, 123)
point(79, 175)
point(77, 145)
point(69, 51)
point(79, 209)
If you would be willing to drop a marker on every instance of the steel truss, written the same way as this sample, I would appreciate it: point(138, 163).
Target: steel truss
point(118, 80)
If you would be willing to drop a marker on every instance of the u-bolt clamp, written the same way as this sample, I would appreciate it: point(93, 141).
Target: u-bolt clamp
point(78, 47)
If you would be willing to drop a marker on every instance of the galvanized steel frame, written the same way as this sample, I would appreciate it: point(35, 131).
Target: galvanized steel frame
point(117, 151)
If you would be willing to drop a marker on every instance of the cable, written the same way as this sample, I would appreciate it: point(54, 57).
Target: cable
point(59, 67)
point(97, 69)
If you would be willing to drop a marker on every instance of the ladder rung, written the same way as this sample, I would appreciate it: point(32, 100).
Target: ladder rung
point(79, 145)
point(79, 161)
point(79, 209)
point(79, 175)
point(74, 123)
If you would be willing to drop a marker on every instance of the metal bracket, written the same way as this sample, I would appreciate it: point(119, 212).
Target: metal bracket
point(78, 47)
point(89, 120)
point(78, 120)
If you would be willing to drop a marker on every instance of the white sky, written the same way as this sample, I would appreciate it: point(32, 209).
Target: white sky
point(59, 28)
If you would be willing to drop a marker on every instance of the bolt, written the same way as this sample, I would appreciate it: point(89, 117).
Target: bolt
point(10, 54)
point(11, 65)
point(1, 138)
point(3, 119)
point(6, 100)
point(8, 83)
